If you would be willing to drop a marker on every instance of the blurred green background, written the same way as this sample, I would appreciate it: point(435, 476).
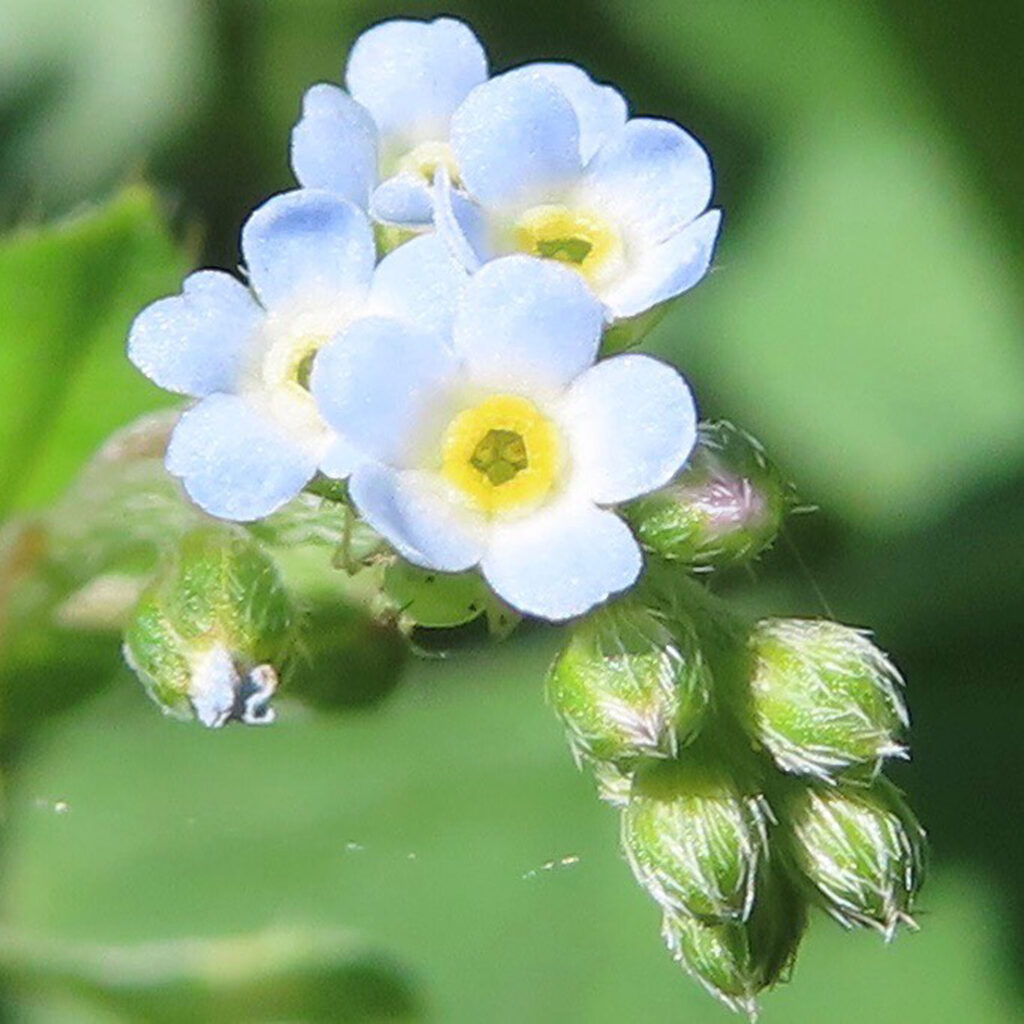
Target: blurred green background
point(865, 319)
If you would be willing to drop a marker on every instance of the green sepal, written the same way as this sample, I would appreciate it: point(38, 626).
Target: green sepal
point(695, 836)
point(824, 700)
point(629, 683)
point(213, 629)
point(860, 851)
point(626, 334)
point(724, 508)
point(737, 960)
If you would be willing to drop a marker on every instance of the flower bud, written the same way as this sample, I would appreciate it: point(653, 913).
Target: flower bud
point(861, 850)
point(206, 636)
point(736, 960)
point(694, 840)
point(725, 507)
point(629, 683)
point(824, 699)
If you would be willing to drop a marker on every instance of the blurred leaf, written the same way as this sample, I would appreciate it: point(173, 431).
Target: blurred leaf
point(272, 975)
point(69, 293)
point(88, 89)
point(864, 317)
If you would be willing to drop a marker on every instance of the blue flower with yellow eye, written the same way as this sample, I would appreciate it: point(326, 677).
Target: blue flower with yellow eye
point(506, 445)
point(255, 437)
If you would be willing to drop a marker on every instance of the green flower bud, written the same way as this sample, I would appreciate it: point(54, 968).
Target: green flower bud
point(735, 961)
point(629, 683)
point(207, 634)
point(861, 851)
point(824, 699)
point(694, 840)
point(725, 507)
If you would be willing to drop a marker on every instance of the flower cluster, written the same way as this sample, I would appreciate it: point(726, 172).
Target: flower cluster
point(455, 382)
point(429, 337)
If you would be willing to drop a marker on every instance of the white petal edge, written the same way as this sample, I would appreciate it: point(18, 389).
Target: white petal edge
point(379, 382)
point(516, 139)
point(410, 509)
point(632, 423)
point(600, 109)
point(411, 75)
point(419, 282)
point(561, 561)
point(197, 342)
point(307, 245)
point(526, 324)
point(667, 269)
point(653, 177)
point(334, 145)
point(234, 461)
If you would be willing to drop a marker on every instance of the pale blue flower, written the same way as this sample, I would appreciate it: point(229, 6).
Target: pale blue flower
point(629, 213)
point(255, 438)
point(504, 444)
point(381, 142)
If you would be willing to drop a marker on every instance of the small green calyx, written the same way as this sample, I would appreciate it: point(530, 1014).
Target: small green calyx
point(629, 683)
point(860, 851)
point(825, 701)
point(725, 508)
point(738, 960)
point(568, 250)
point(500, 456)
point(693, 840)
point(207, 634)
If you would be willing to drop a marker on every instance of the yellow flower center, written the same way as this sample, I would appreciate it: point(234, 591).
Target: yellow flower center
point(427, 157)
point(502, 454)
point(286, 369)
point(581, 239)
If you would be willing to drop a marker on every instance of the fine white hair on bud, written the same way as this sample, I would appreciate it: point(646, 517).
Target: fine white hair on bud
point(694, 839)
point(861, 852)
point(207, 638)
point(629, 683)
point(724, 508)
point(824, 699)
point(737, 960)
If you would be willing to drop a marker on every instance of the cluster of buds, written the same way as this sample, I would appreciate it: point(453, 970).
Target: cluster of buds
point(744, 758)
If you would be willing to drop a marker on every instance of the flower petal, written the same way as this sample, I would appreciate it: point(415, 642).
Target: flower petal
point(411, 75)
point(515, 139)
point(527, 323)
point(600, 109)
point(196, 343)
point(334, 145)
point(667, 269)
point(340, 458)
point(403, 200)
point(631, 422)
point(378, 382)
point(235, 462)
point(307, 244)
point(419, 282)
point(562, 560)
point(409, 508)
point(652, 176)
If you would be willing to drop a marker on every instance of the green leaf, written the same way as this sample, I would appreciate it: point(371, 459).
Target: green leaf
point(69, 293)
point(271, 975)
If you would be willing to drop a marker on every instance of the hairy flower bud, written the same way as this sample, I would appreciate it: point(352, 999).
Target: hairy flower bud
point(861, 850)
point(725, 507)
point(824, 699)
point(694, 840)
point(629, 683)
point(208, 637)
point(737, 960)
